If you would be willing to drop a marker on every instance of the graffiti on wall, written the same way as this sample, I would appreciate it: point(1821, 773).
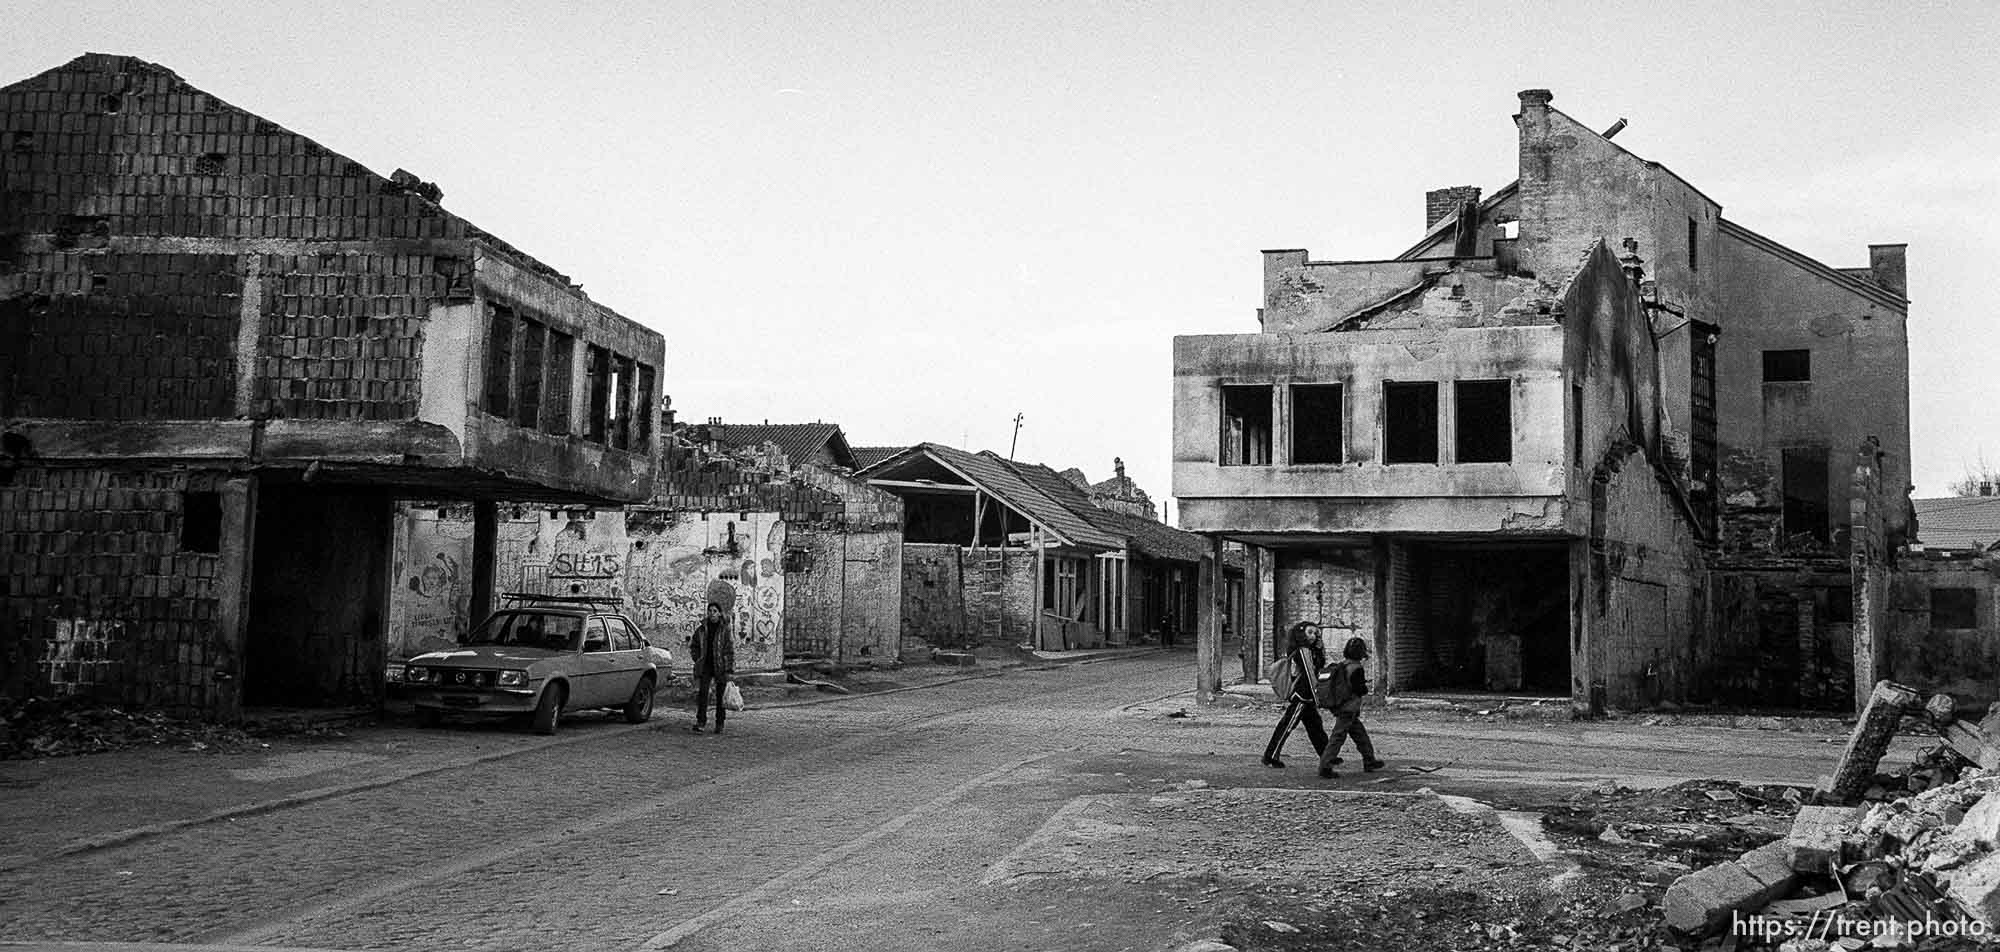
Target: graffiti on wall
point(659, 565)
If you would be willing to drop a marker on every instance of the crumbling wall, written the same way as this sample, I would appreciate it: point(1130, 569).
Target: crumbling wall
point(1936, 654)
point(1333, 588)
point(1643, 577)
point(110, 591)
point(933, 594)
point(1855, 331)
point(659, 563)
point(844, 575)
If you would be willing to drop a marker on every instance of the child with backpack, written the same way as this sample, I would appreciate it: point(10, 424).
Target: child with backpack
point(1293, 679)
point(1342, 695)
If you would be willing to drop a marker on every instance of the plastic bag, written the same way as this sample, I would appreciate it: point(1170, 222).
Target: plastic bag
point(732, 697)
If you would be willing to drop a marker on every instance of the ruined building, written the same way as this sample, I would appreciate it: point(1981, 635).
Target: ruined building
point(1586, 437)
point(806, 558)
point(225, 353)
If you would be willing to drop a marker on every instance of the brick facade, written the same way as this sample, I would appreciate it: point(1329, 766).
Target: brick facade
point(110, 591)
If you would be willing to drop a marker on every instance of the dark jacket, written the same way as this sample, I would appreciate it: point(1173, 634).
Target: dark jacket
point(1357, 680)
point(1306, 663)
point(712, 648)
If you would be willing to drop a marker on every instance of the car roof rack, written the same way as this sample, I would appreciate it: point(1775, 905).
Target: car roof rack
point(591, 601)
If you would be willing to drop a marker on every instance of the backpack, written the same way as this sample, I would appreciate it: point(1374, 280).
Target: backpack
point(1282, 680)
point(1337, 690)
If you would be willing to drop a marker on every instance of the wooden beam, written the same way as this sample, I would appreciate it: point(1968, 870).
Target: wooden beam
point(922, 487)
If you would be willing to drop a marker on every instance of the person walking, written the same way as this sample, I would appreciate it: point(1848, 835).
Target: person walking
point(1345, 689)
point(1304, 656)
point(714, 654)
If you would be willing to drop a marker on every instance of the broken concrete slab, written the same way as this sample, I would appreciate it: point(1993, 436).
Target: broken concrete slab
point(1982, 823)
point(1869, 741)
point(1703, 901)
point(1818, 836)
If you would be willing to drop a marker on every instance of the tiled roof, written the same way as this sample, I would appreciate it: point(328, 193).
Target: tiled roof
point(866, 456)
point(991, 474)
point(800, 442)
point(1148, 538)
point(1958, 522)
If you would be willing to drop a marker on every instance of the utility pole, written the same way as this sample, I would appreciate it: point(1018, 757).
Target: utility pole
point(1016, 442)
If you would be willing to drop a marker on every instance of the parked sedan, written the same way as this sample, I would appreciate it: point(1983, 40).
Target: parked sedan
point(540, 661)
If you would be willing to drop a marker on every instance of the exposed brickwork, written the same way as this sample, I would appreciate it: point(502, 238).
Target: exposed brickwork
point(101, 596)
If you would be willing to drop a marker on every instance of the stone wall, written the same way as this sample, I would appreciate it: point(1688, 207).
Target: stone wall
point(934, 595)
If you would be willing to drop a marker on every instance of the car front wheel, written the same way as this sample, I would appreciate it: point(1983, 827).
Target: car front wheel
point(548, 710)
point(639, 709)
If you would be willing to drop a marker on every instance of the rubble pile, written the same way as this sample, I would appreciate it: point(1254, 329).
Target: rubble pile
point(59, 727)
point(1914, 864)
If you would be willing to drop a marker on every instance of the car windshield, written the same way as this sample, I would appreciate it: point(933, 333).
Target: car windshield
point(554, 631)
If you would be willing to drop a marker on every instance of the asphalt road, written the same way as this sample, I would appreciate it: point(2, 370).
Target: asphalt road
point(868, 823)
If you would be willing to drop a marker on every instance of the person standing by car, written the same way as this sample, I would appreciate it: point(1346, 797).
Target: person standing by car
point(714, 653)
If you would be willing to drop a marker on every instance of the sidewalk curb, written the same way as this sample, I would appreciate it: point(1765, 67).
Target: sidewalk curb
point(257, 808)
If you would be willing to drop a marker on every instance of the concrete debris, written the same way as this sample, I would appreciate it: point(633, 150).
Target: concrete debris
point(1869, 741)
point(1929, 859)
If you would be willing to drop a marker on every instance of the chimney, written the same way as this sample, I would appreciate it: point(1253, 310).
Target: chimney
point(1440, 204)
point(1118, 463)
point(1887, 263)
point(1986, 488)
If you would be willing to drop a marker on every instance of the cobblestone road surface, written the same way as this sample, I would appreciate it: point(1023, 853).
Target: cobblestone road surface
point(863, 824)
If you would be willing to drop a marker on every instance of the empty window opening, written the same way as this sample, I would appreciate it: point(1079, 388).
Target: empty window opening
point(597, 365)
point(1787, 366)
point(111, 103)
point(621, 406)
point(1837, 605)
point(499, 358)
point(557, 394)
point(1954, 608)
point(1485, 417)
point(1246, 425)
point(528, 389)
point(1410, 422)
point(1576, 424)
point(1510, 230)
point(210, 163)
point(643, 409)
point(1694, 249)
point(1316, 423)
point(1805, 486)
point(201, 522)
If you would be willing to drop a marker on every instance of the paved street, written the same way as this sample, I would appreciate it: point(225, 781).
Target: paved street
point(871, 822)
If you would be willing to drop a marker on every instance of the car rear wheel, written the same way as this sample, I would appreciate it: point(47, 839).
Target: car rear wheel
point(548, 710)
point(639, 709)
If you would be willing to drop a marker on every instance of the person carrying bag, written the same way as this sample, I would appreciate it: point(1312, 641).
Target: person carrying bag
point(1294, 680)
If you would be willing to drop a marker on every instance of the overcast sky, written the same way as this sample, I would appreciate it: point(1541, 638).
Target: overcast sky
point(918, 220)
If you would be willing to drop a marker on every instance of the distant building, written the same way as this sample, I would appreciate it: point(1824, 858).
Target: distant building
point(997, 551)
point(1586, 437)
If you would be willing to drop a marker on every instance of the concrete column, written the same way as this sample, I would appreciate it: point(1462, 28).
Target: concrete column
point(234, 568)
point(1208, 624)
point(485, 551)
point(1252, 622)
